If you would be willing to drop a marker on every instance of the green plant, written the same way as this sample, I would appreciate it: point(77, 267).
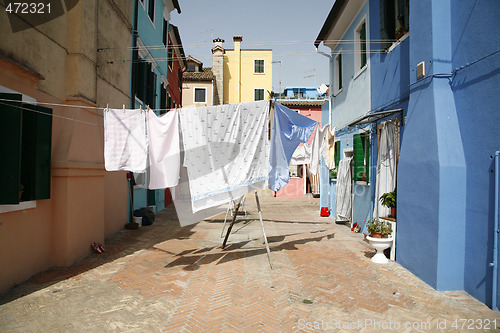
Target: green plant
point(381, 227)
point(388, 199)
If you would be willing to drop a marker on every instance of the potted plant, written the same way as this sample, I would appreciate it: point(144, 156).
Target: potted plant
point(399, 33)
point(379, 229)
point(389, 200)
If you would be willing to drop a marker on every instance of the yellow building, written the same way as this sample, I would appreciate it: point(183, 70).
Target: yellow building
point(246, 74)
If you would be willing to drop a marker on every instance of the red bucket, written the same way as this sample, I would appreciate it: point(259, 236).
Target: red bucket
point(324, 212)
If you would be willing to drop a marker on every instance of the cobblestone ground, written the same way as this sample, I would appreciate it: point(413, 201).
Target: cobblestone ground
point(164, 278)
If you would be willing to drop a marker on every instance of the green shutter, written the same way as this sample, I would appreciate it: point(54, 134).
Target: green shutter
point(337, 154)
point(340, 71)
point(359, 157)
point(362, 38)
point(387, 22)
point(43, 152)
point(367, 146)
point(10, 142)
point(28, 151)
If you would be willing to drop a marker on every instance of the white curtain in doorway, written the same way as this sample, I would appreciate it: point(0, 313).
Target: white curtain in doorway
point(343, 191)
point(388, 150)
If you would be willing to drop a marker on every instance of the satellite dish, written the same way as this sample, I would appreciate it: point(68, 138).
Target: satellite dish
point(323, 88)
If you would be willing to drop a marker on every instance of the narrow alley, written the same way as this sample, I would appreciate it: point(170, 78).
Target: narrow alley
point(172, 279)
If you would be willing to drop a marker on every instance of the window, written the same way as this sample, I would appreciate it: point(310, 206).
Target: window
point(338, 73)
point(179, 78)
point(258, 94)
point(169, 101)
point(200, 95)
point(163, 99)
point(258, 66)
point(191, 67)
point(146, 83)
point(394, 20)
point(360, 46)
point(165, 33)
point(170, 53)
point(361, 158)
point(151, 10)
point(25, 138)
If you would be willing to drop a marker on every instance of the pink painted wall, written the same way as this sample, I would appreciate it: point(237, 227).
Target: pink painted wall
point(296, 187)
point(86, 204)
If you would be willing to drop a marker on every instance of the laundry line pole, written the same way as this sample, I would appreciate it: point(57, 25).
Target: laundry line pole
point(235, 213)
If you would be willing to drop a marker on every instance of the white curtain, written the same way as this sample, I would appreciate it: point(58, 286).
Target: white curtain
point(343, 191)
point(388, 150)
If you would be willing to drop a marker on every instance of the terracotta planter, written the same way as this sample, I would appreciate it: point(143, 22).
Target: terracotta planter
point(376, 235)
point(393, 212)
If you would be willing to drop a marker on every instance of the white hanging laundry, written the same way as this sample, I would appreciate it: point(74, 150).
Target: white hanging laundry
point(302, 155)
point(289, 130)
point(226, 151)
point(125, 145)
point(343, 199)
point(164, 149)
point(328, 148)
point(317, 146)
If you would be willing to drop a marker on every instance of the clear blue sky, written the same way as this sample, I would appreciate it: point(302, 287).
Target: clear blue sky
point(288, 27)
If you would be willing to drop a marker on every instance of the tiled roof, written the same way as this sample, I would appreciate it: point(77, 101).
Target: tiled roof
point(301, 103)
point(205, 75)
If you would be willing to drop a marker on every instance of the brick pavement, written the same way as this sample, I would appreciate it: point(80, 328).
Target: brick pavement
point(165, 278)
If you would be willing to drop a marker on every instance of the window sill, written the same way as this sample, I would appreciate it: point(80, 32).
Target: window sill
point(361, 71)
point(393, 46)
point(362, 182)
point(21, 206)
point(337, 92)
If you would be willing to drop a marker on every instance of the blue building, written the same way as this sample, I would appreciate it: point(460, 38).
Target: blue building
point(150, 72)
point(350, 99)
point(434, 73)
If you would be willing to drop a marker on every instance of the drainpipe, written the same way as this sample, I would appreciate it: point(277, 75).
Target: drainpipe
point(324, 206)
point(134, 55)
point(494, 264)
point(330, 90)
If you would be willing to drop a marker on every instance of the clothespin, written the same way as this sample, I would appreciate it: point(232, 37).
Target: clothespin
point(107, 107)
point(140, 107)
point(148, 109)
point(123, 108)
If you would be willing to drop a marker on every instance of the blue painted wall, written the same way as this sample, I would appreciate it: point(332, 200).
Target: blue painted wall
point(352, 101)
point(476, 92)
point(150, 33)
point(324, 192)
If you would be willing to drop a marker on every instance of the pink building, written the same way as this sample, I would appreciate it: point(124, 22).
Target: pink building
point(300, 183)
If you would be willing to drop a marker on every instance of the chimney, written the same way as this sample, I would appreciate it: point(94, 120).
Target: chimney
point(218, 70)
point(237, 50)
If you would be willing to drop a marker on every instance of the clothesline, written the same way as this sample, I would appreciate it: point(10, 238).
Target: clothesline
point(3, 100)
point(162, 46)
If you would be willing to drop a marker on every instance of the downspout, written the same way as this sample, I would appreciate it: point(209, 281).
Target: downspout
point(134, 56)
point(330, 90)
point(494, 264)
point(325, 205)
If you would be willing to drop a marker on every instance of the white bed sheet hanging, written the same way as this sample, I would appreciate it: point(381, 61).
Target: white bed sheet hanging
point(226, 151)
point(125, 144)
point(386, 164)
point(164, 150)
point(343, 192)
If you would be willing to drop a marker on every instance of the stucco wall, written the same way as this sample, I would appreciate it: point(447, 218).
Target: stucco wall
point(238, 65)
point(188, 93)
point(86, 204)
